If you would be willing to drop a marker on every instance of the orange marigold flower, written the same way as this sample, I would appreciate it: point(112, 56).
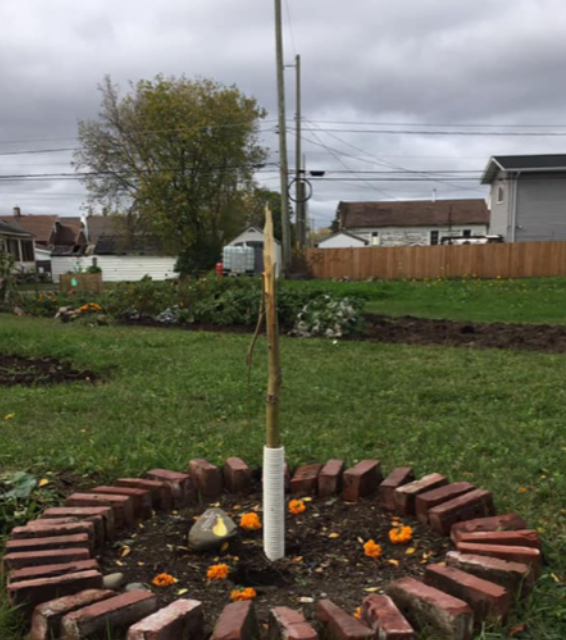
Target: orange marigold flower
point(358, 614)
point(164, 580)
point(372, 550)
point(242, 594)
point(297, 506)
point(401, 535)
point(250, 522)
point(218, 572)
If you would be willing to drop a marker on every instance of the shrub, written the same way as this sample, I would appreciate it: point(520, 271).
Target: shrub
point(145, 298)
point(328, 317)
point(8, 293)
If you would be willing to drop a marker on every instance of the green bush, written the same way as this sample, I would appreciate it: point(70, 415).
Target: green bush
point(145, 298)
point(8, 293)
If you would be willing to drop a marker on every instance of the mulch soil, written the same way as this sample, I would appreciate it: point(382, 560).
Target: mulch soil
point(324, 556)
point(424, 331)
point(29, 372)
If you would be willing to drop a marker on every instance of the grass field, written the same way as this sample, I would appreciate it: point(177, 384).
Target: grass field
point(494, 418)
point(538, 300)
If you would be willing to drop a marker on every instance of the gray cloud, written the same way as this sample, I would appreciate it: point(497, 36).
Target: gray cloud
point(410, 61)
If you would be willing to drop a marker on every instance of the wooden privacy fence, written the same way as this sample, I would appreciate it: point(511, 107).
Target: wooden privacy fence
point(520, 260)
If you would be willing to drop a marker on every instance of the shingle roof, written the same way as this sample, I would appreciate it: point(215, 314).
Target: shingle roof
point(12, 229)
point(101, 227)
point(524, 163)
point(39, 226)
point(412, 213)
point(68, 231)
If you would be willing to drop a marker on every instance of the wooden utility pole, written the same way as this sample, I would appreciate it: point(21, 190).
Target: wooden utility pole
point(285, 222)
point(299, 191)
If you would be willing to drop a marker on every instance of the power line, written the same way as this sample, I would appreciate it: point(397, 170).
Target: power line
point(408, 132)
point(438, 124)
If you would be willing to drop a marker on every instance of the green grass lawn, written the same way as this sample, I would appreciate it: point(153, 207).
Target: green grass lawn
point(494, 418)
point(535, 300)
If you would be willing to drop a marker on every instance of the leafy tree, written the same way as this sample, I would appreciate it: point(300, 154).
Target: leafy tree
point(255, 209)
point(178, 157)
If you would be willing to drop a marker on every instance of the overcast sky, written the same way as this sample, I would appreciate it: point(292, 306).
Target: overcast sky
point(376, 65)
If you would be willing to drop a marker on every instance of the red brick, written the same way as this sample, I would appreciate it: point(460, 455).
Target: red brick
point(488, 601)
point(44, 529)
point(473, 504)
point(180, 620)
point(287, 624)
point(339, 625)
point(206, 477)
point(382, 615)
point(46, 620)
point(77, 541)
point(524, 555)
point(397, 478)
point(160, 491)
point(516, 577)
point(237, 621)
point(405, 496)
point(24, 559)
point(305, 479)
point(121, 505)
point(237, 476)
point(361, 480)
point(449, 617)
point(142, 501)
point(330, 478)
point(520, 538)
point(116, 613)
point(182, 487)
point(506, 522)
point(30, 593)
point(426, 501)
point(51, 570)
point(94, 514)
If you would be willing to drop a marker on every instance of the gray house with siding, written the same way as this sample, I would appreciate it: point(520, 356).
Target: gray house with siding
point(528, 197)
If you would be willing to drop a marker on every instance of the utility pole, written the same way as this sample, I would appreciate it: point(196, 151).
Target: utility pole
point(285, 222)
point(299, 197)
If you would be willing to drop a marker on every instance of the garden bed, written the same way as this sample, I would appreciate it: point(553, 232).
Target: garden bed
point(19, 370)
point(324, 556)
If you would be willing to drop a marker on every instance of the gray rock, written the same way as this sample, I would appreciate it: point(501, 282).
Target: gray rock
point(137, 586)
point(113, 581)
point(212, 529)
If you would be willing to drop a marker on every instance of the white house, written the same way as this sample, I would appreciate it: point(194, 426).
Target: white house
point(253, 237)
point(342, 240)
point(19, 244)
point(413, 222)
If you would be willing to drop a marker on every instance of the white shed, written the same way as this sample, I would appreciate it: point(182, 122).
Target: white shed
point(253, 237)
point(342, 240)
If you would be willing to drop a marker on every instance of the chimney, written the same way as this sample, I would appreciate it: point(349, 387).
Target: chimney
point(17, 212)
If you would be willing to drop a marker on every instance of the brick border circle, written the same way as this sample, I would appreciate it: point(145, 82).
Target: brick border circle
point(56, 580)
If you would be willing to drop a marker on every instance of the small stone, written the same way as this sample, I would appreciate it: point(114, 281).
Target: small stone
point(212, 529)
point(306, 600)
point(113, 581)
point(136, 586)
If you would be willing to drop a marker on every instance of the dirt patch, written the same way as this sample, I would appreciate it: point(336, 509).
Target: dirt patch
point(31, 372)
point(325, 557)
point(409, 330)
point(423, 331)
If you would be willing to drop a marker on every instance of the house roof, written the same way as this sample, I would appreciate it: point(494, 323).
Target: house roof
point(250, 230)
point(412, 213)
point(13, 230)
point(68, 231)
point(39, 226)
point(101, 226)
point(523, 164)
point(342, 233)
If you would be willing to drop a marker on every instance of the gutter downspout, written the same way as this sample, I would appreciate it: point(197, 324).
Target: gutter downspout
point(514, 206)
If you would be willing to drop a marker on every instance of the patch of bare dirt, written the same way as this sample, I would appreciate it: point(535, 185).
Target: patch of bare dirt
point(30, 372)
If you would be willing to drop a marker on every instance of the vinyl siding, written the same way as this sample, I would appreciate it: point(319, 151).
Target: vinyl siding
point(340, 241)
point(500, 222)
point(414, 236)
point(118, 268)
point(541, 208)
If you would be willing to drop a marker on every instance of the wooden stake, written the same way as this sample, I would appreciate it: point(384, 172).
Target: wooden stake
point(272, 328)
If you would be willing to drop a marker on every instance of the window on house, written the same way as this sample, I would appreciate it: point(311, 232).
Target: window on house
point(13, 249)
point(27, 251)
point(374, 238)
point(434, 237)
point(467, 233)
point(500, 195)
